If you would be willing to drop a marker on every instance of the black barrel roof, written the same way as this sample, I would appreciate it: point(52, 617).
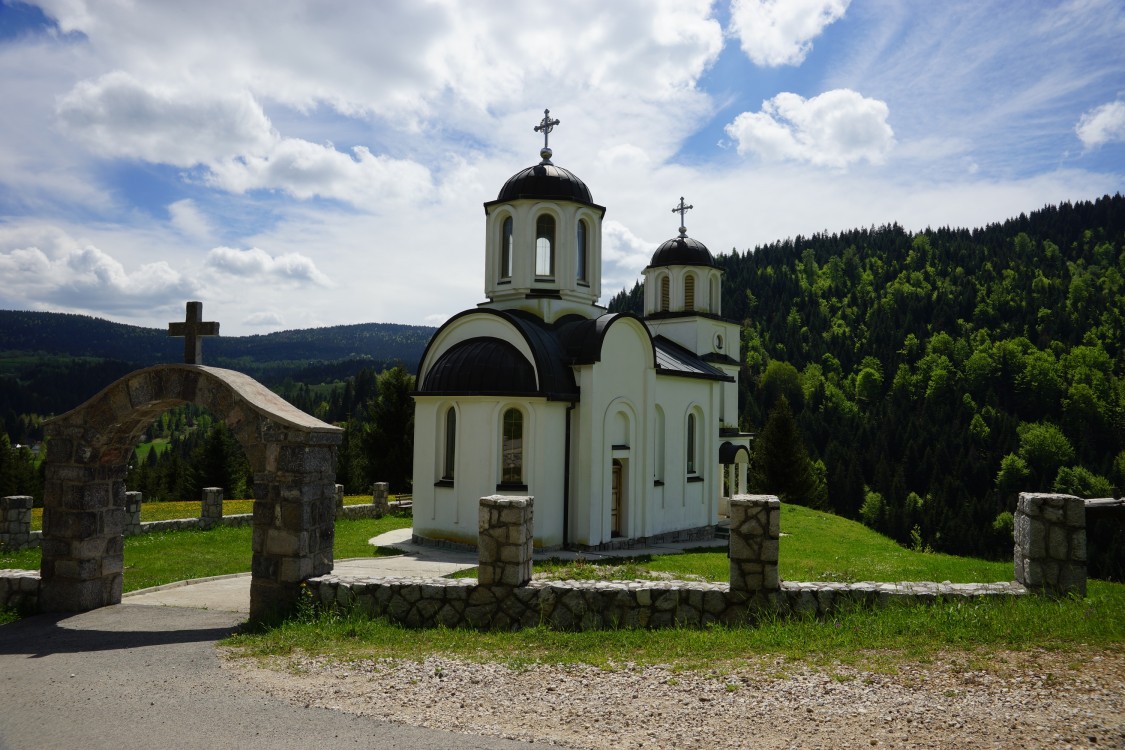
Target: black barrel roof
point(682, 251)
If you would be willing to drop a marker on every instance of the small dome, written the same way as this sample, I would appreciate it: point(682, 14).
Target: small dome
point(545, 181)
point(682, 251)
point(481, 366)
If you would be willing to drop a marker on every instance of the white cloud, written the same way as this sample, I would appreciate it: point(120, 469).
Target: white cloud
point(271, 319)
point(834, 129)
point(307, 170)
point(117, 115)
point(780, 32)
point(1101, 125)
point(86, 278)
point(257, 263)
point(186, 217)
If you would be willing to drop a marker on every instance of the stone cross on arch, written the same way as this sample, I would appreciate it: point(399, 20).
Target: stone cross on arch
point(681, 210)
point(193, 329)
point(545, 126)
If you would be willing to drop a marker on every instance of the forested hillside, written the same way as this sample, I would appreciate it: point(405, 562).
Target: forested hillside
point(934, 375)
point(52, 362)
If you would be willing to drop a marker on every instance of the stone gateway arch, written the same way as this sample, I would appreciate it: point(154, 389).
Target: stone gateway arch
point(292, 455)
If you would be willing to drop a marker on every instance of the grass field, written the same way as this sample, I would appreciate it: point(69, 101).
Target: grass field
point(166, 557)
point(173, 509)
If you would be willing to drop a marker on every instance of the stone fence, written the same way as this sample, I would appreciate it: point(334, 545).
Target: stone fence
point(1049, 559)
point(16, 533)
point(504, 596)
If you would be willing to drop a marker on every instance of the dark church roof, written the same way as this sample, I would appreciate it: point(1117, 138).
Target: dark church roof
point(682, 251)
point(673, 359)
point(488, 366)
point(545, 181)
point(481, 366)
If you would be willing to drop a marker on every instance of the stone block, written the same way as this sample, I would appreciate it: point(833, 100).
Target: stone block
point(1057, 543)
point(1076, 512)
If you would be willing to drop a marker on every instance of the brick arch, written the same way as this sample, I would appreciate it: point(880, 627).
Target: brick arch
point(292, 455)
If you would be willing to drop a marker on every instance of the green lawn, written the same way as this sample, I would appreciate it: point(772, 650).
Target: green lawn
point(166, 557)
point(174, 509)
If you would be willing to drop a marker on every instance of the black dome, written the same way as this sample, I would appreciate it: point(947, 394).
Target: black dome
point(545, 181)
point(481, 366)
point(682, 251)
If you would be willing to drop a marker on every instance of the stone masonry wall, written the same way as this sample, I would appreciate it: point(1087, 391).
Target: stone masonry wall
point(19, 590)
point(1050, 549)
point(493, 601)
point(15, 522)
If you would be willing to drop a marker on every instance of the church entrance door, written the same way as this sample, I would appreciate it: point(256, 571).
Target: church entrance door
point(615, 512)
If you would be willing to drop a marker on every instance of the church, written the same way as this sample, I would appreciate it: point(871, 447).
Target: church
point(623, 429)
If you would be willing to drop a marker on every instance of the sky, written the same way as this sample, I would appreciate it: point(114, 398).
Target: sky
point(295, 164)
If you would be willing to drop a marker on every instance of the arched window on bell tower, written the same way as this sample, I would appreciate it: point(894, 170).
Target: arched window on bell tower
point(689, 292)
point(506, 249)
point(665, 294)
point(581, 256)
point(545, 246)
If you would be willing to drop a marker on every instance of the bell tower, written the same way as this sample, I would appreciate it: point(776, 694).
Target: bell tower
point(543, 241)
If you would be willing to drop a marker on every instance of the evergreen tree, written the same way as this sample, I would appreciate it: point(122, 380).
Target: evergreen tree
point(781, 465)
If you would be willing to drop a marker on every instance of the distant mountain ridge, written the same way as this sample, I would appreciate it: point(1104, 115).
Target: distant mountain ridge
point(83, 336)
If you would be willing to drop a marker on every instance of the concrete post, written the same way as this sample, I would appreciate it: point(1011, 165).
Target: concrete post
point(1050, 543)
point(379, 495)
point(133, 513)
point(755, 530)
point(505, 540)
point(15, 521)
point(339, 498)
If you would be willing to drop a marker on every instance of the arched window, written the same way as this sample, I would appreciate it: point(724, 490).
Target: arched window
point(545, 246)
point(506, 249)
point(581, 256)
point(689, 292)
point(511, 449)
point(450, 457)
point(665, 293)
point(716, 288)
point(658, 474)
point(691, 469)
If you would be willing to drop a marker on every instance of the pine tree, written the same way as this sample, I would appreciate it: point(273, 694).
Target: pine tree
point(781, 464)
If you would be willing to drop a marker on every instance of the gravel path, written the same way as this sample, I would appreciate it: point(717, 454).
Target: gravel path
point(1025, 700)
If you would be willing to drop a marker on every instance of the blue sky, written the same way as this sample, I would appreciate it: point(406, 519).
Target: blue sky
point(295, 164)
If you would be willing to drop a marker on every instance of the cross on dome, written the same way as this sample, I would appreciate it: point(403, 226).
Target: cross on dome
point(681, 210)
point(193, 329)
point(545, 126)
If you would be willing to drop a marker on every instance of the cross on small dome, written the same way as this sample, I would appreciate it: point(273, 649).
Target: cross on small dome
point(681, 210)
point(545, 126)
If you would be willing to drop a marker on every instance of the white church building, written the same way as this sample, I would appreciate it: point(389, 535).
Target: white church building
point(623, 429)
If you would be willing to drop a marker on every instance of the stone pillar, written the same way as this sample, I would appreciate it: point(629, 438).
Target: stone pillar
point(379, 495)
point(133, 513)
point(339, 498)
point(505, 543)
point(15, 522)
point(755, 528)
point(212, 510)
point(83, 534)
point(1050, 550)
point(294, 521)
